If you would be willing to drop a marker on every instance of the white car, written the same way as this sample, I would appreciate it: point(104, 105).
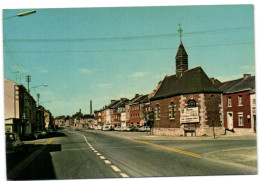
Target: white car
point(144, 128)
point(107, 128)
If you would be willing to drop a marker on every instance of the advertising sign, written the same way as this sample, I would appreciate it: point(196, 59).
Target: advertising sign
point(190, 115)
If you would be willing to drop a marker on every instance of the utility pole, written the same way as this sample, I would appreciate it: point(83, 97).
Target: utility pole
point(38, 99)
point(28, 79)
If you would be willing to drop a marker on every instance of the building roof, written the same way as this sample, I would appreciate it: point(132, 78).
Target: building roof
point(192, 81)
point(138, 99)
point(120, 103)
point(238, 85)
point(181, 51)
point(113, 102)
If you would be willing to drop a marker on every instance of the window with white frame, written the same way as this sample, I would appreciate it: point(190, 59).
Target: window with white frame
point(157, 109)
point(240, 119)
point(172, 114)
point(240, 103)
point(229, 102)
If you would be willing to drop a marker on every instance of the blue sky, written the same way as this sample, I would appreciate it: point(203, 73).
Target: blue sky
point(101, 54)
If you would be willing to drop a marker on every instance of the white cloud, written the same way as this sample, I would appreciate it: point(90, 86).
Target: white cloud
point(138, 74)
point(41, 70)
point(86, 71)
point(46, 93)
point(18, 68)
point(104, 85)
point(248, 67)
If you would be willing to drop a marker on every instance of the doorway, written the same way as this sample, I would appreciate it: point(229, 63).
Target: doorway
point(230, 120)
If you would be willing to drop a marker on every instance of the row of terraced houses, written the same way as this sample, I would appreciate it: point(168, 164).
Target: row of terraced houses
point(187, 103)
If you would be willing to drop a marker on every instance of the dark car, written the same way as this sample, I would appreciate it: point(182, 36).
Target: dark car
point(13, 142)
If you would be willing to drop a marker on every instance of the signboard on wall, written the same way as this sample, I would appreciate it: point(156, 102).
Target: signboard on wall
point(190, 115)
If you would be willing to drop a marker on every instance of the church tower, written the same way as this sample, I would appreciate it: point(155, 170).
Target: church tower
point(181, 57)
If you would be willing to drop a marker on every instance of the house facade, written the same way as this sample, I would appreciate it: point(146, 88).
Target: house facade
point(239, 105)
point(20, 109)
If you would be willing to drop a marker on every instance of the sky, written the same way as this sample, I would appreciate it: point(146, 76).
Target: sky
point(101, 54)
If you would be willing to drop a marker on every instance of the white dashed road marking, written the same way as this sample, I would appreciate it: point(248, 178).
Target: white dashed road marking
point(124, 175)
point(107, 162)
point(115, 168)
point(103, 158)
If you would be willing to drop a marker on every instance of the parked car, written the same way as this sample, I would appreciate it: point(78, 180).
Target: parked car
point(38, 134)
point(125, 129)
point(117, 129)
point(76, 129)
point(13, 142)
point(144, 128)
point(107, 128)
point(133, 129)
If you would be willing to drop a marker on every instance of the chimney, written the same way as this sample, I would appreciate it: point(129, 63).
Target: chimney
point(246, 76)
point(90, 111)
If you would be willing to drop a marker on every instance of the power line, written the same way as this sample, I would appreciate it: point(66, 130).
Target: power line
point(130, 37)
point(129, 50)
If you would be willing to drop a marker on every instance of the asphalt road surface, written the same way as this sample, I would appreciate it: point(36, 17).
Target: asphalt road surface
point(96, 154)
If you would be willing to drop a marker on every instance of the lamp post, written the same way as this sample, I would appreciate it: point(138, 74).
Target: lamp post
point(38, 94)
point(21, 14)
point(45, 85)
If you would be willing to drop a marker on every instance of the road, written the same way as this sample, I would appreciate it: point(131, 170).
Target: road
point(96, 154)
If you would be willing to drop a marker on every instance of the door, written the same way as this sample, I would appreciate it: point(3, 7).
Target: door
point(230, 120)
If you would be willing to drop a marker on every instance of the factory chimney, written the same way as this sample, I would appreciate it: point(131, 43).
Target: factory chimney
point(90, 107)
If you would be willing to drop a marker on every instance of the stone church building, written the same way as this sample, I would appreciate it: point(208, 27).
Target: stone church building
point(187, 103)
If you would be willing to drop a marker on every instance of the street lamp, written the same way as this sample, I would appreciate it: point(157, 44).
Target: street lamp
point(45, 85)
point(21, 14)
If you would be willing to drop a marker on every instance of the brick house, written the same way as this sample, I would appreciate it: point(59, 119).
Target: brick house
point(236, 104)
point(119, 110)
point(135, 110)
point(187, 103)
point(109, 113)
point(98, 118)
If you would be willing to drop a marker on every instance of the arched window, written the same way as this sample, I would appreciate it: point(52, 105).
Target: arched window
point(157, 109)
point(172, 114)
point(191, 103)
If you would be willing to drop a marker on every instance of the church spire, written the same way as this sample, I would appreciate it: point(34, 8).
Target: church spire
point(181, 56)
point(180, 32)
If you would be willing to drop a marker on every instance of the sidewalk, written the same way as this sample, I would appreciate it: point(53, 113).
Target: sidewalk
point(148, 136)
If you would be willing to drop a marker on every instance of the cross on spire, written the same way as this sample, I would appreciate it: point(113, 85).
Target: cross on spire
point(180, 31)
